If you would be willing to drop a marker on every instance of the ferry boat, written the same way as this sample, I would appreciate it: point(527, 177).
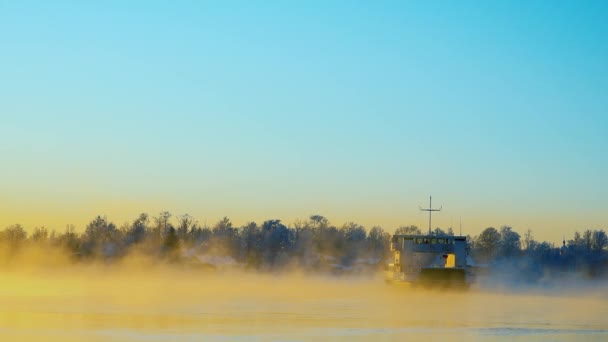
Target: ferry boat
point(429, 260)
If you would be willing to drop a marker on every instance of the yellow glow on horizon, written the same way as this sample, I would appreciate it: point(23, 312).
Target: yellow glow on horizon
point(56, 213)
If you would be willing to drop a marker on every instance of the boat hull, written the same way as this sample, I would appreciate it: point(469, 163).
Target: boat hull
point(437, 278)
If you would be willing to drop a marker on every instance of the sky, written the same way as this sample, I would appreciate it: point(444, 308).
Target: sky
point(354, 110)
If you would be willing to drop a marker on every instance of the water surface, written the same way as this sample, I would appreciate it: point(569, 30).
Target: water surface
point(104, 304)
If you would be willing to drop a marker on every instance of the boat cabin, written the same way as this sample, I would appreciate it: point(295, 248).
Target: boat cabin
point(414, 253)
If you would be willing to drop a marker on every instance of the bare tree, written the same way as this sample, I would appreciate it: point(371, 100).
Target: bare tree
point(40, 234)
point(408, 230)
point(184, 224)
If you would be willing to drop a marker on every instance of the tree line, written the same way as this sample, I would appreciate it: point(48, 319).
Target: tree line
point(585, 253)
point(312, 244)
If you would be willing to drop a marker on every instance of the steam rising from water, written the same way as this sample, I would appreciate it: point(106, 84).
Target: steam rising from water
point(141, 299)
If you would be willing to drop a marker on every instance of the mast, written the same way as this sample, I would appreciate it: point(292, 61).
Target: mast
point(430, 210)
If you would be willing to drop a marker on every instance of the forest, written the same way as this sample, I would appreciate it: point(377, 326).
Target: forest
point(313, 245)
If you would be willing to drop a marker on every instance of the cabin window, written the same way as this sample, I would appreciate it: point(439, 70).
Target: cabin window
point(440, 241)
point(433, 241)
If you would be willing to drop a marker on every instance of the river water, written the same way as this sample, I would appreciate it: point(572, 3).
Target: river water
point(102, 304)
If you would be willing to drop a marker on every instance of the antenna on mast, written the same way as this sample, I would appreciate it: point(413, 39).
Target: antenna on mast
point(430, 210)
point(460, 219)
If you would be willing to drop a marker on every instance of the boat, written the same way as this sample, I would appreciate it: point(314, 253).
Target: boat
point(429, 260)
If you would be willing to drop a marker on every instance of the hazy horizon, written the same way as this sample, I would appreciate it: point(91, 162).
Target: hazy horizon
point(421, 221)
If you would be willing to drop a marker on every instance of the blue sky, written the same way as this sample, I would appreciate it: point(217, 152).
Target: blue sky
point(354, 110)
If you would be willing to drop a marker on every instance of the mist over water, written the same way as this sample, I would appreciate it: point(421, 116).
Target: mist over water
point(143, 299)
point(107, 285)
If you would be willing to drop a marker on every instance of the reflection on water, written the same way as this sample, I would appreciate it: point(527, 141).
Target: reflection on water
point(162, 305)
